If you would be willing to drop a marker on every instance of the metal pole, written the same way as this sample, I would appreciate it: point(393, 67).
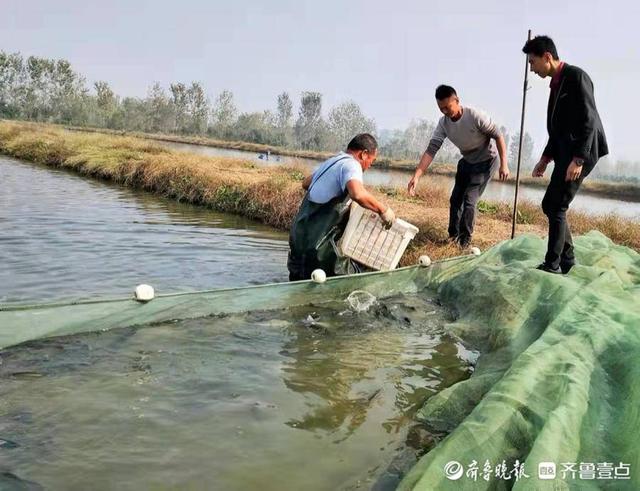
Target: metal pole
point(524, 105)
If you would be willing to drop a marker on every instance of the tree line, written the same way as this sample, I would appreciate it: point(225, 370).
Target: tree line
point(47, 90)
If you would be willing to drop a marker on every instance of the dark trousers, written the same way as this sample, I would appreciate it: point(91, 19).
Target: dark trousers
point(471, 180)
point(555, 204)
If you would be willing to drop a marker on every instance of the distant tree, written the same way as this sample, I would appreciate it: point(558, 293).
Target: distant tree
point(35, 94)
point(132, 114)
point(11, 83)
point(159, 111)
point(345, 121)
point(284, 116)
point(67, 91)
point(179, 99)
point(310, 129)
point(284, 120)
point(106, 103)
point(224, 114)
point(416, 138)
point(411, 143)
point(106, 99)
point(392, 143)
point(526, 161)
point(198, 109)
point(256, 127)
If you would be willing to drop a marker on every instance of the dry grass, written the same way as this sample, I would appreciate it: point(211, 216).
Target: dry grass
point(616, 190)
point(269, 194)
point(208, 142)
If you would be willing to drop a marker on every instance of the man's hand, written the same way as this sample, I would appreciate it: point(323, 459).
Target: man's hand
point(541, 166)
point(388, 217)
point(504, 172)
point(573, 171)
point(413, 183)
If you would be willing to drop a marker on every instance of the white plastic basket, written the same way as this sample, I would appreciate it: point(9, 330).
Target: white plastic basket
point(366, 241)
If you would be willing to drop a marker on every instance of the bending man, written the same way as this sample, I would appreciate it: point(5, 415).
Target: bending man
point(576, 142)
point(474, 134)
point(323, 213)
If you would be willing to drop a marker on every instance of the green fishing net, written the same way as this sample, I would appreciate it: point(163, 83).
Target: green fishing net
point(554, 402)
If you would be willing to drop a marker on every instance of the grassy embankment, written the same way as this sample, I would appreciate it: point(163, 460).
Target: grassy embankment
point(615, 190)
point(268, 194)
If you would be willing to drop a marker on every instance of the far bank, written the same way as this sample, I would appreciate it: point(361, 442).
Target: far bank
point(605, 189)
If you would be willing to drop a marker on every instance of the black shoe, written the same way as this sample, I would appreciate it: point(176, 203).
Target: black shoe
point(464, 242)
point(565, 266)
point(545, 267)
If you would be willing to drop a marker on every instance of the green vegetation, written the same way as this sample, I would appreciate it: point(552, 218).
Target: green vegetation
point(50, 91)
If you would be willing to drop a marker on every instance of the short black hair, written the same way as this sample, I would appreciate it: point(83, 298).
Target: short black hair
point(363, 141)
point(540, 45)
point(444, 91)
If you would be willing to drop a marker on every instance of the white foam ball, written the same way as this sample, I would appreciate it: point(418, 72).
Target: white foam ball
point(424, 261)
point(475, 251)
point(319, 276)
point(144, 293)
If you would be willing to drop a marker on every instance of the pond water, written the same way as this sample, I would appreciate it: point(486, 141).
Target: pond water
point(495, 191)
point(64, 235)
point(316, 397)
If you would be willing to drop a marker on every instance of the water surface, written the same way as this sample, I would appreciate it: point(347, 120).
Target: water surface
point(63, 235)
point(496, 191)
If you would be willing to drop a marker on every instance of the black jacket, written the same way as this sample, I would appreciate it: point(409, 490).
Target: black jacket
point(573, 123)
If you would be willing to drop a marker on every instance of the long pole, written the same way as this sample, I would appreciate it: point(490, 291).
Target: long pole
point(524, 105)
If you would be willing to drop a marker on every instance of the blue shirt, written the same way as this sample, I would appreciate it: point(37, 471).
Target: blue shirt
point(330, 184)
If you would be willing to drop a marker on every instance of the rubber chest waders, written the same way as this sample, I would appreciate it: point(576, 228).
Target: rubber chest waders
point(314, 233)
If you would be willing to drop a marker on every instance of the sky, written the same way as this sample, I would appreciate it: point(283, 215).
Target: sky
point(388, 56)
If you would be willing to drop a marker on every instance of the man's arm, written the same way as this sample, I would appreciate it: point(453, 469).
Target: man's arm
point(424, 164)
point(541, 166)
point(364, 198)
point(487, 127)
point(584, 131)
point(586, 116)
point(437, 139)
point(502, 152)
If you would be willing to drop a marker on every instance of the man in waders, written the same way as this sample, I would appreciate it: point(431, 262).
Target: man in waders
point(324, 211)
point(576, 142)
point(474, 134)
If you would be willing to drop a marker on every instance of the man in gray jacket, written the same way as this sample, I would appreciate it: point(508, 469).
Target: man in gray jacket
point(477, 137)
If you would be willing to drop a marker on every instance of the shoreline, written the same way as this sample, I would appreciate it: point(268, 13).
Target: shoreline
point(271, 194)
point(604, 189)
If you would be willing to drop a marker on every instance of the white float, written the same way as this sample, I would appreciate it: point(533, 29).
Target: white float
point(144, 293)
point(318, 276)
point(475, 251)
point(424, 261)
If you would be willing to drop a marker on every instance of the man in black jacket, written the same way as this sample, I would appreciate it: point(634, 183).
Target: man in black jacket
point(576, 142)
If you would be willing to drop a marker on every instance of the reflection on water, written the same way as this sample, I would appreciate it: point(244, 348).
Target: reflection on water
point(64, 235)
point(318, 397)
point(379, 177)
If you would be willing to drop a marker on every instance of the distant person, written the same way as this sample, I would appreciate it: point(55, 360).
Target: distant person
point(323, 213)
point(576, 142)
point(476, 136)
